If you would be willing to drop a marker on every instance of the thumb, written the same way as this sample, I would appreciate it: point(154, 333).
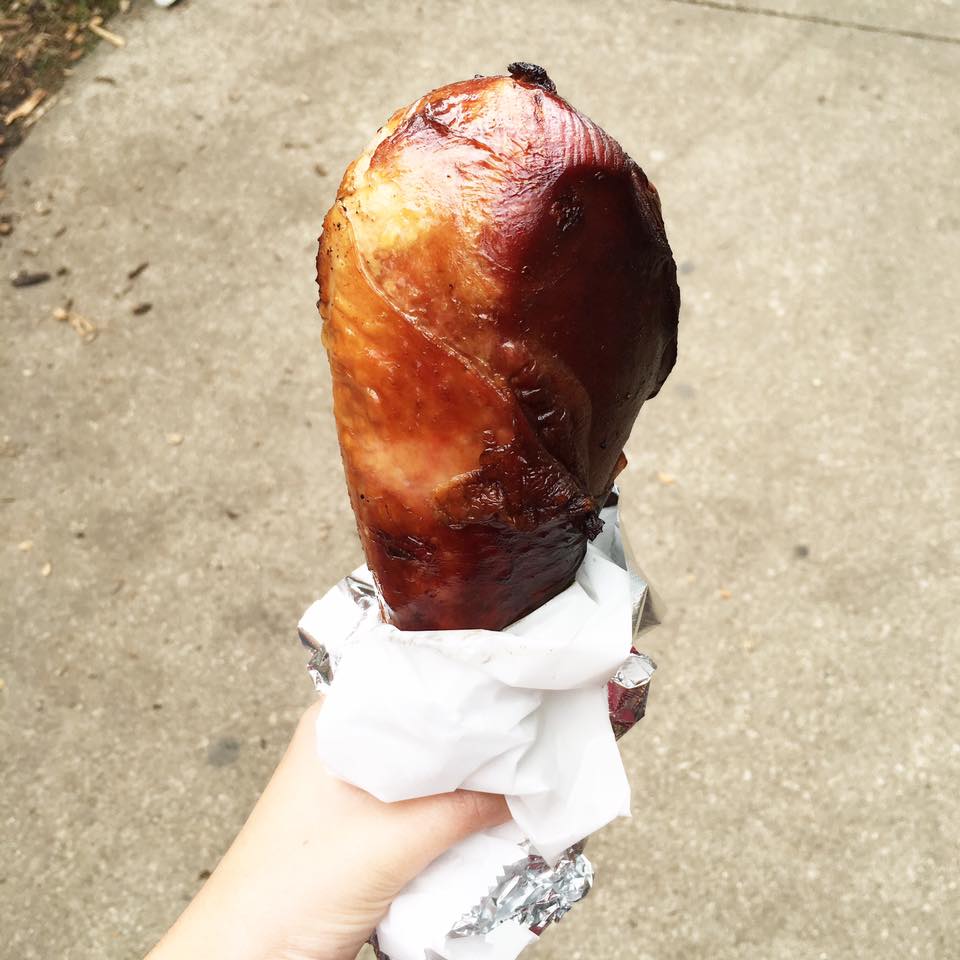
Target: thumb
point(420, 830)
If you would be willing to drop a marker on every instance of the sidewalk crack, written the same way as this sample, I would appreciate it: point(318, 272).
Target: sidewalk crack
point(815, 18)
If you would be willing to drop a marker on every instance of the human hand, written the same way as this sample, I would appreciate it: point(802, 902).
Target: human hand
point(317, 864)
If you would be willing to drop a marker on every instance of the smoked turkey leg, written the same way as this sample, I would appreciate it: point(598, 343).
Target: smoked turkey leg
point(499, 299)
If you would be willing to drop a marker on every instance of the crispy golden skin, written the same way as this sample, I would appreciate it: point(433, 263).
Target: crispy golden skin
point(499, 299)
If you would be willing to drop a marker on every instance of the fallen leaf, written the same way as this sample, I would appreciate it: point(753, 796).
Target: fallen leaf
point(667, 479)
point(725, 594)
point(84, 328)
point(25, 107)
point(174, 439)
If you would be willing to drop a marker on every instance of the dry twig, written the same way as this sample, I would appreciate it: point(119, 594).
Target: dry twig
point(95, 26)
point(25, 107)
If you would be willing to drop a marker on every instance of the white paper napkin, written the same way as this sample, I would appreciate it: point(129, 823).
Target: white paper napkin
point(521, 712)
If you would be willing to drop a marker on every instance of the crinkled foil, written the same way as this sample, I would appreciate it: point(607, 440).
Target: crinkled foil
point(322, 664)
point(627, 692)
point(530, 891)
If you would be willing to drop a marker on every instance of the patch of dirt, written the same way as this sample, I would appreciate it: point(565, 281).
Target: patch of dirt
point(40, 42)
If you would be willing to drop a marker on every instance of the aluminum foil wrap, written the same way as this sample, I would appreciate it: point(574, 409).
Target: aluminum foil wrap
point(531, 891)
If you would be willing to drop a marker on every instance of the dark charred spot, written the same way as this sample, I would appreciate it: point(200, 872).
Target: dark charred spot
point(567, 210)
point(592, 525)
point(402, 547)
point(533, 74)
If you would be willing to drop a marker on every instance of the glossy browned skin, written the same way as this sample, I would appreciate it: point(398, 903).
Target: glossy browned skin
point(499, 299)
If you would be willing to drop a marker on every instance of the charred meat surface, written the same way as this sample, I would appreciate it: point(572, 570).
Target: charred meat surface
point(499, 299)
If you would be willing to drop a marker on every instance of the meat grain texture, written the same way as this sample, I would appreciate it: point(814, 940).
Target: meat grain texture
point(499, 300)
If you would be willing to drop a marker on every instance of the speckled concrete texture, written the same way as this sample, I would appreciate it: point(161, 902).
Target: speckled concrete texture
point(171, 496)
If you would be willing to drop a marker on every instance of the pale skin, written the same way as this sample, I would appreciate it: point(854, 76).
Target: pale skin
point(317, 864)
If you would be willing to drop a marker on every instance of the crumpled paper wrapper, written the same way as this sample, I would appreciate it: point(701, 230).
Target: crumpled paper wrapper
point(530, 712)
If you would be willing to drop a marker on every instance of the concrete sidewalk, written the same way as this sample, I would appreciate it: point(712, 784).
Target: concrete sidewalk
point(793, 491)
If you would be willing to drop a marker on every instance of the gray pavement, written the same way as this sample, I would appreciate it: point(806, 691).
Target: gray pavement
point(793, 491)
